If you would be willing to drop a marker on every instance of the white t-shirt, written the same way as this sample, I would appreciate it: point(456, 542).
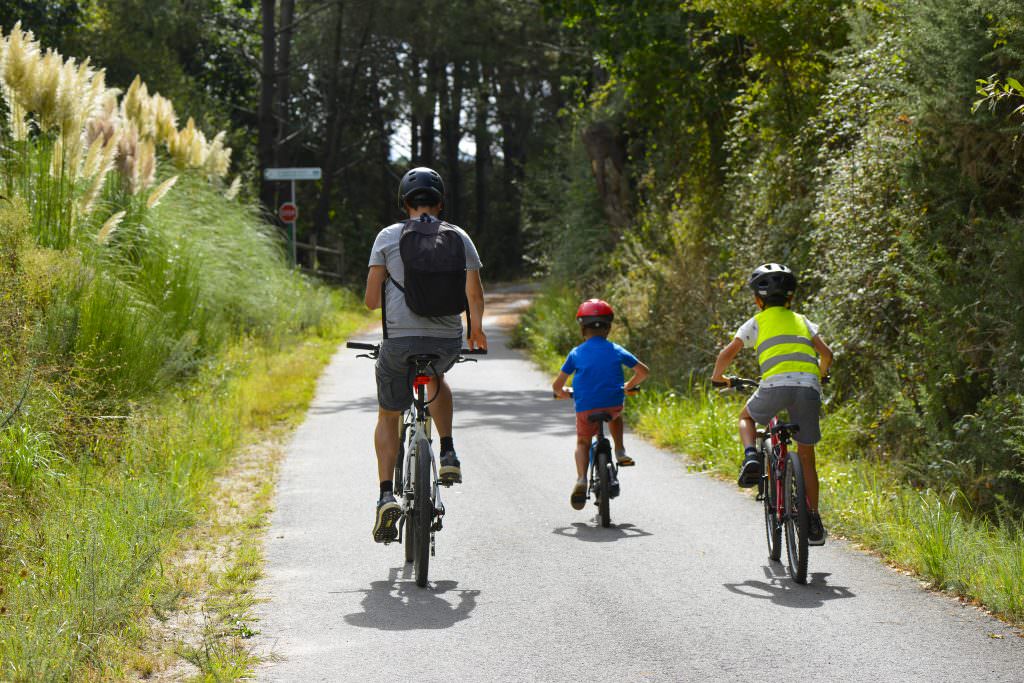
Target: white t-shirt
point(748, 335)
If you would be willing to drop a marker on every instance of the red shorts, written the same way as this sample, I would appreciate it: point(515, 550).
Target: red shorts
point(585, 429)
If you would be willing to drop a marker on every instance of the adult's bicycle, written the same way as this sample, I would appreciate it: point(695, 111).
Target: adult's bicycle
point(416, 480)
point(781, 489)
point(602, 471)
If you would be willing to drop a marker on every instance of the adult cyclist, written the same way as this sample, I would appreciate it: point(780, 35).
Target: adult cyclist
point(421, 196)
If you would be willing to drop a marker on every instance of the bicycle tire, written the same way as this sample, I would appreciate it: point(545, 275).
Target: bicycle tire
point(409, 528)
point(398, 483)
point(403, 483)
point(423, 512)
point(604, 490)
point(769, 494)
point(796, 519)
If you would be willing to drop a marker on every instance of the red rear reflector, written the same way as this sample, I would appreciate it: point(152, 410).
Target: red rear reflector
point(421, 381)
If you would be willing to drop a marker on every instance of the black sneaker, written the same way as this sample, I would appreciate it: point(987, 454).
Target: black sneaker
point(816, 533)
point(450, 471)
point(750, 472)
point(385, 529)
point(579, 495)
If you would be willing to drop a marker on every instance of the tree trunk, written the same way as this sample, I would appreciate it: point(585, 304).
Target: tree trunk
point(515, 119)
point(266, 128)
point(284, 68)
point(483, 161)
point(424, 106)
point(332, 138)
point(451, 136)
point(606, 147)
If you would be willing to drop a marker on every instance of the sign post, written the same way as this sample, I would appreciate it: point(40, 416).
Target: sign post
point(289, 211)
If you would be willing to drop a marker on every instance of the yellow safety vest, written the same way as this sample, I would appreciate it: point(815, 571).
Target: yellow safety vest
point(784, 343)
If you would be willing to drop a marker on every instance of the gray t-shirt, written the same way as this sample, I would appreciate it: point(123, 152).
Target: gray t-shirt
point(401, 321)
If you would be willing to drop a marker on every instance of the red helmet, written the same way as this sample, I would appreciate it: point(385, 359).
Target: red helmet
point(595, 313)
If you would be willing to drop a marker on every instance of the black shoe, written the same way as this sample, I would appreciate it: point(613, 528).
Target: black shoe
point(450, 471)
point(385, 529)
point(750, 472)
point(579, 495)
point(816, 533)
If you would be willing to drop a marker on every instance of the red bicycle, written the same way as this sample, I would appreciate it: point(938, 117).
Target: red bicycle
point(781, 489)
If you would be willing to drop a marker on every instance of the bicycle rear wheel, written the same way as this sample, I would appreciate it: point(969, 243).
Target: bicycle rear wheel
point(770, 496)
point(404, 481)
point(603, 463)
point(423, 512)
point(796, 519)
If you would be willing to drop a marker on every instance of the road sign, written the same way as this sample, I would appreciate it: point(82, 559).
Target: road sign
point(288, 212)
point(301, 173)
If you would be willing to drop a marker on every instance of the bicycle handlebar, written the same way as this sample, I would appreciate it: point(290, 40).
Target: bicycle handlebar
point(364, 346)
point(737, 383)
point(744, 383)
point(570, 391)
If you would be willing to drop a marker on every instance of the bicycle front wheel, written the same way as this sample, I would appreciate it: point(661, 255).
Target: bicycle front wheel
point(796, 519)
point(422, 512)
point(603, 463)
point(770, 496)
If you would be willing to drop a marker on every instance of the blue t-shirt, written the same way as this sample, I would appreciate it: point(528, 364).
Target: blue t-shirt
point(598, 363)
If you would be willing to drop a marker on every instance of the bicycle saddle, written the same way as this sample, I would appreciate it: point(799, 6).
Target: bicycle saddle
point(600, 417)
point(422, 358)
point(790, 427)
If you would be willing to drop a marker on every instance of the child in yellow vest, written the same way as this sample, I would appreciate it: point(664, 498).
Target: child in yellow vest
point(793, 359)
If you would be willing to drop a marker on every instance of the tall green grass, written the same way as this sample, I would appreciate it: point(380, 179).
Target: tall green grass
point(143, 320)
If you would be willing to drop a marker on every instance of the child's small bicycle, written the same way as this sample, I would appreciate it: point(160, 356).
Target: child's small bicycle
point(602, 472)
point(781, 489)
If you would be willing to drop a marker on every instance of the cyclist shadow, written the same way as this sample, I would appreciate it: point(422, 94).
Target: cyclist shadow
point(783, 591)
point(596, 534)
point(398, 604)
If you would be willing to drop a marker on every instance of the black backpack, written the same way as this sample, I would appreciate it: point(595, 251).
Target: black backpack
point(434, 257)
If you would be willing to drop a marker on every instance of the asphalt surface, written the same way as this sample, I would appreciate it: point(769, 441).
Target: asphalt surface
point(524, 588)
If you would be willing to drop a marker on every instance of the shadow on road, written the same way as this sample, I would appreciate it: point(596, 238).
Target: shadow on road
point(512, 411)
point(597, 534)
point(783, 591)
point(398, 604)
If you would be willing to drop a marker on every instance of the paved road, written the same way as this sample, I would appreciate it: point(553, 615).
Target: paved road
point(523, 588)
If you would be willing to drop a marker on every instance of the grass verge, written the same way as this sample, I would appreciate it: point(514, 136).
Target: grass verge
point(100, 551)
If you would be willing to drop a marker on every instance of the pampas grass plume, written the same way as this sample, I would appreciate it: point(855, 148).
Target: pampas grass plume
point(108, 229)
point(162, 189)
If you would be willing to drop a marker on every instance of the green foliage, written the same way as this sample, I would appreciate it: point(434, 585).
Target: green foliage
point(844, 138)
point(549, 327)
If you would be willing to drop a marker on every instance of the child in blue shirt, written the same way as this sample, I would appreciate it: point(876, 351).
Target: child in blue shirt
point(598, 386)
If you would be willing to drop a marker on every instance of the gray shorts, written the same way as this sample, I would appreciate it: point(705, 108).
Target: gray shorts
point(802, 403)
point(395, 374)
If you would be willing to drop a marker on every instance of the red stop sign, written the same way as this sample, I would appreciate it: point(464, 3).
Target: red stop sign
point(288, 212)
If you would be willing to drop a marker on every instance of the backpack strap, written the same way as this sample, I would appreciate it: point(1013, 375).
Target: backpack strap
point(384, 305)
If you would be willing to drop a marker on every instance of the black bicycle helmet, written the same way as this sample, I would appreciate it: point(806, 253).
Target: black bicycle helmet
point(773, 281)
point(420, 180)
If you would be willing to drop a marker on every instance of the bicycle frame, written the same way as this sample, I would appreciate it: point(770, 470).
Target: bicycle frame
point(776, 444)
point(419, 431)
point(600, 446)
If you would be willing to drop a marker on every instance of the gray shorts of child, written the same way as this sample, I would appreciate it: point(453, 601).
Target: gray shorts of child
point(802, 403)
point(395, 373)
